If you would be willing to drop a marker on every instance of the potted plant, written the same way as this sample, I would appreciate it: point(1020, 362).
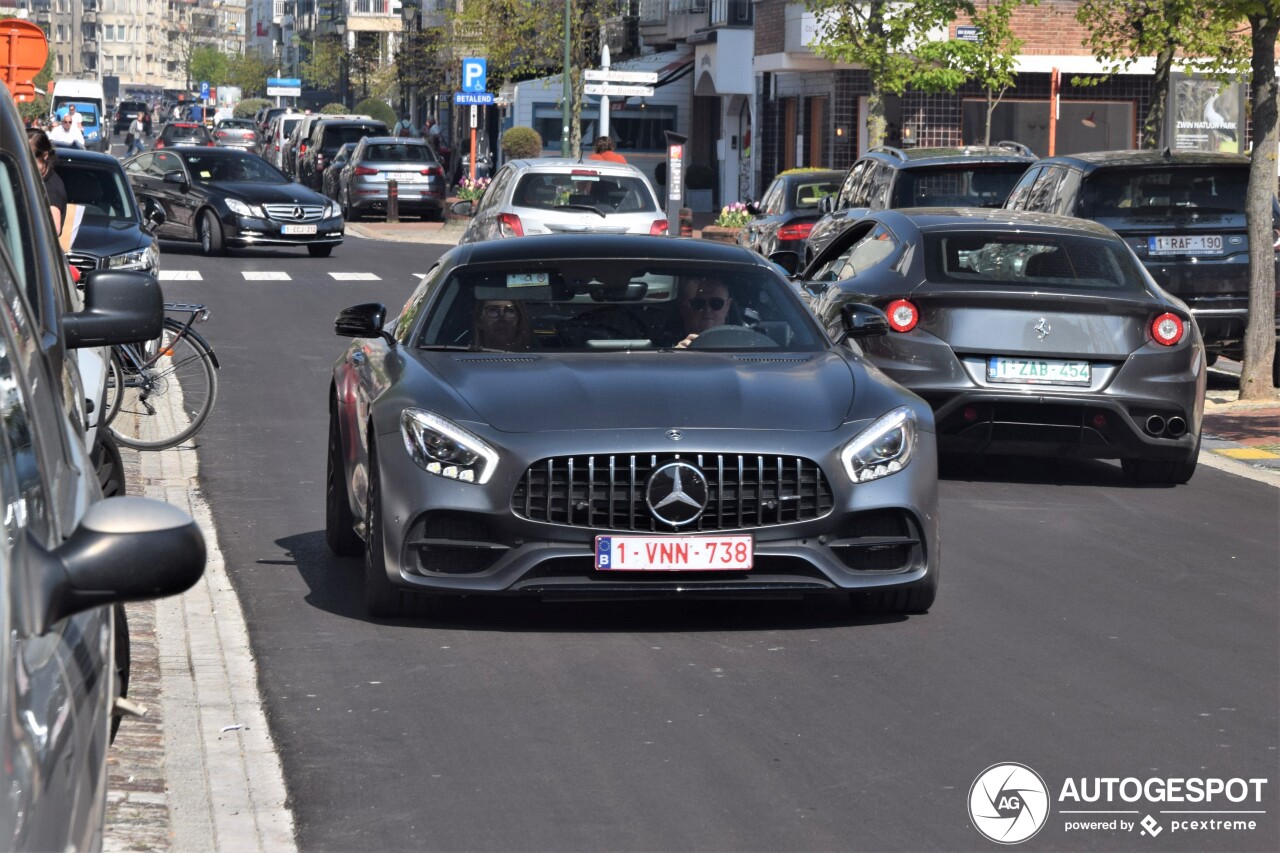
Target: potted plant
point(699, 182)
point(729, 224)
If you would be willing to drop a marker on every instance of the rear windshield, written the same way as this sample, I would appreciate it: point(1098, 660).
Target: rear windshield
point(611, 305)
point(99, 192)
point(1031, 261)
point(288, 123)
point(975, 185)
point(336, 137)
point(808, 195)
point(584, 187)
point(196, 132)
point(398, 153)
point(1125, 193)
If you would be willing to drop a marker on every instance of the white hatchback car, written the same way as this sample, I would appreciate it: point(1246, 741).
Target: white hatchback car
point(563, 196)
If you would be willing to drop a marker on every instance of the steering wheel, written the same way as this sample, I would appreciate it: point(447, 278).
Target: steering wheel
point(732, 337)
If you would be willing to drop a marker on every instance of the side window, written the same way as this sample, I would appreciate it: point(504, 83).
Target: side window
point(1045, 190)
point(27, 503)
point(874, 246)
point(413, 308)
point(139, 165)
point(1017, 199)
point(876, 190)
point(850, 183)
point(496, 190)
point(166, 162)
point(772, 203)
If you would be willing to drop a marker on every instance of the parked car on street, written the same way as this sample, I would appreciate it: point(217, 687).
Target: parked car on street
point(786, 212)
point(226, 197)
point(68, 559)
point(364, 182)
point(333, 174)
point(563, 196)
point(1182, 213)
point(124, 114)
point(182, 133)
point(300, 138)
point(1027, 333)
point(538, 421)
point(327, 136)
point(275, 143)
point(236, 133)
point(885, 177)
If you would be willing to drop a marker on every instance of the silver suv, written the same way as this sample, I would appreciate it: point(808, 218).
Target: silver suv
point(561, 196)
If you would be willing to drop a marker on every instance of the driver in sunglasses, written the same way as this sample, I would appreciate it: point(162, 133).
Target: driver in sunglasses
point(704, 304)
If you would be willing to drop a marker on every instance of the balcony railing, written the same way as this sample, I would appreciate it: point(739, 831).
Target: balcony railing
point(653, 11)
point(731, 13)
point(372, 8)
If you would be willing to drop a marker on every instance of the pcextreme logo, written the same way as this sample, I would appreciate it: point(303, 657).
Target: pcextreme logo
point(1008, 803)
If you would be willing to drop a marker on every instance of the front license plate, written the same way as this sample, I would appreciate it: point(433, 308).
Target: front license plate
point(298, 229)
point(674, 553)
point(1037, 371)
point(1197, 244)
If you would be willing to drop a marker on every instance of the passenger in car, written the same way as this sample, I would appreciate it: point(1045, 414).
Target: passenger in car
point(501, 324)
point(704, 304)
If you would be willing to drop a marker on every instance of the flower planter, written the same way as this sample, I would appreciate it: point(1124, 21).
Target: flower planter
point(721, 234)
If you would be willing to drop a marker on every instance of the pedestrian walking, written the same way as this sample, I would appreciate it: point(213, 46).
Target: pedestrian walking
point(133, 143)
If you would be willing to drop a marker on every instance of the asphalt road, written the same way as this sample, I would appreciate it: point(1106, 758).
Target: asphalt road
point(1083, 628)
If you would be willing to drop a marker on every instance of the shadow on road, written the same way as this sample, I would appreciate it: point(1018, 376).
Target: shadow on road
point(336, 587)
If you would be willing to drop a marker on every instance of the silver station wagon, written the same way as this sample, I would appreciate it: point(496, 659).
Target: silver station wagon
point(564, 196)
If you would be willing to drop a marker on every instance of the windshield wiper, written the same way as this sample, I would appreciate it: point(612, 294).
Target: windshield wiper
point(589, 207)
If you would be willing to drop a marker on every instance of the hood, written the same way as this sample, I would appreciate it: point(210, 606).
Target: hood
point(652, 390)
point(101, 237)
point(291, 193)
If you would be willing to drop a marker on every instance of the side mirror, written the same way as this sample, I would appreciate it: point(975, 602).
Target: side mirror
point(753, 207)
point(827, 203)
point(153, 215)
point(362, 321)
point(176, 177)
point(462, 208)
point(859, 320)
point(125, 549)
point(789, 261)
point(120, 307)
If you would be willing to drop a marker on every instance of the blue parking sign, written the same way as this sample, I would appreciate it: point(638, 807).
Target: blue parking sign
point(204, 90)
point(474, 72)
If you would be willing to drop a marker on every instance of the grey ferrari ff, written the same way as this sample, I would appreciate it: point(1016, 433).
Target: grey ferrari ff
point(1028, 334)
point(598, 416)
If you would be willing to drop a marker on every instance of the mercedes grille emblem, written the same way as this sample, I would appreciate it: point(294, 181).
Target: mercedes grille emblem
point(676, 494)
point(1043, 328)
point(297, 213)
point(675, 434)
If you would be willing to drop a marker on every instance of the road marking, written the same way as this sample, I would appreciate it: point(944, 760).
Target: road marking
point(181, 275)
point(354, 276)
point(1248, 453)
point(250, 275)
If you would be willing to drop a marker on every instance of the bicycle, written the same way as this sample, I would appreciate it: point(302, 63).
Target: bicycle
point(179, 365)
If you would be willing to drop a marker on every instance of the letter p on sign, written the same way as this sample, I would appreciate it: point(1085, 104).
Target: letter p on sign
point(473, 75)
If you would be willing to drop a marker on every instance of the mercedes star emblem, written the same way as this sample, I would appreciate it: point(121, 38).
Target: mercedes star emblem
point(675, 434)
point(1043, 328)
point(297, 212)
point(676, 494)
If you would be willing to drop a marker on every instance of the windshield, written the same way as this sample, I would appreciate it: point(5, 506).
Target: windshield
point(98, 191)
point(613, 305)
point(1139, 193)
point(975, 185)
point(1031, 261)
point(175, 132)
point(206, 168)
point(604, 192)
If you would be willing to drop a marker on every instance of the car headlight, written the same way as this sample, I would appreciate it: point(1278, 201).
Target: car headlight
point(138, 259)
point(445, 449)
point(881, 449)
point(331, 209)
point(241, 209)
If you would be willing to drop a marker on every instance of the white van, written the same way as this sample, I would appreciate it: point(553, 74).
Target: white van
point(83, 92)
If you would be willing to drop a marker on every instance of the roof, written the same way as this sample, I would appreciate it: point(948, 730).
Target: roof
point(1009, 152)
point(605, 246)
point(949, 218)
point(1090, 160)
point(81, 155)
point(560, 164)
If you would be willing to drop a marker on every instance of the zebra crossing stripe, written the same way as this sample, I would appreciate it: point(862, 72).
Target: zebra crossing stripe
point(181, 275)
point(354, 276)
point(250, 275)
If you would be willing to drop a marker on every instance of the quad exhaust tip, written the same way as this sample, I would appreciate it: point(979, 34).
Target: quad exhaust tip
point(1155, 425)
point(1176, 427)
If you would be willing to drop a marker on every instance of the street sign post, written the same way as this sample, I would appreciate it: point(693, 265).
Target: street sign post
point(617, 90)
point(474, 72)
point(288, 86)
point(473, 99)
point(609, 75)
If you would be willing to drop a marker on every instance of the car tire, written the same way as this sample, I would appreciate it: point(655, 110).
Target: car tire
point(914, 599)
point(210, 235)
point(320, 251)
point(381, 598)
point(1161, 472)
point(108, 464)
point(339, 521)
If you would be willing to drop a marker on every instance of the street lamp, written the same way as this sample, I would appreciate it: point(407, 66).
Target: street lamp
point(1092, 121)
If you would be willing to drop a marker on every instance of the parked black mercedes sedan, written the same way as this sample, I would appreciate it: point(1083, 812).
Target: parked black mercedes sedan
point(1028, 333)
point(786, 212)
point(226, 197)
point(601, 416)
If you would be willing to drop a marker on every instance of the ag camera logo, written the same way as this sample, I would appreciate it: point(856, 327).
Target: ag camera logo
point(1008, 803)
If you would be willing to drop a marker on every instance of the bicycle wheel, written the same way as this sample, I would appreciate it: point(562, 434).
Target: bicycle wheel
point(167, 402)
point(115, 383)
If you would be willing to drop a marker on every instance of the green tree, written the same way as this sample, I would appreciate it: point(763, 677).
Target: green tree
point(992, 60)
point(322, 69)
point(893, 42)
point(250, 72)
point(1199, 36)
point(208, 65)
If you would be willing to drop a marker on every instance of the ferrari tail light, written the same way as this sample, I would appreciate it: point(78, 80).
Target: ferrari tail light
point(1167, 329)
point(509, 225)
point(364, 170)
point(658, 228)
point(795, 231)
point(903, 315)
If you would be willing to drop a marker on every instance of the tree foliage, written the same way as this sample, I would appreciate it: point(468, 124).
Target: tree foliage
point(378, 109)
point(1188, 31)
point(992, 60)
point(208, 65)
point(249, 72)
point(897, 43)
point(248, 107)
point(521, 143)
point(322, 69)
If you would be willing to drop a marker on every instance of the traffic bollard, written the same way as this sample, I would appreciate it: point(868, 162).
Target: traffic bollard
point(686, 222)
point(393, 201)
